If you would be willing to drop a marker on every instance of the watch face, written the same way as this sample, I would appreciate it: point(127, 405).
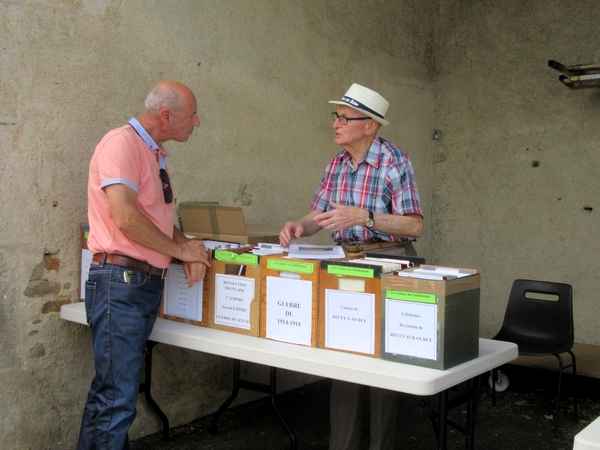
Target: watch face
point(369, 223)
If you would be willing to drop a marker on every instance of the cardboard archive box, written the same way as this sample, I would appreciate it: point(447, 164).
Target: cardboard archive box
point(181, 303)
point(235, 287)
point(350, 305)
point(225, 223)
point(289, 299)
point(430, 322)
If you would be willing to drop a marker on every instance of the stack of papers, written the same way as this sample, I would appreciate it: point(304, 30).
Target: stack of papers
point(387, 265)
point(268, 249)
point(221, 245)
point(307, 251)
point(435, 273)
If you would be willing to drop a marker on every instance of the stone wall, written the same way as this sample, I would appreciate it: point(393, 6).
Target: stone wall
point(262, 71)
point(516, 171)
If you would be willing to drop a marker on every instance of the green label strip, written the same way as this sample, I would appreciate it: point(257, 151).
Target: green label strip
point(291, 266)
point(239, 258)
point(351, 271)
point(410, 296)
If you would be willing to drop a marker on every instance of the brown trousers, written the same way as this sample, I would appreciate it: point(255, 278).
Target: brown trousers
point(348, 402)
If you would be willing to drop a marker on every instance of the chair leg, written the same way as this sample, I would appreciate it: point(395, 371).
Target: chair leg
point(560, 372)
point(494, 381)
point(575, 388)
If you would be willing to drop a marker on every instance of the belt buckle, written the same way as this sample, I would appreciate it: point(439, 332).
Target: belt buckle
point(353, 248)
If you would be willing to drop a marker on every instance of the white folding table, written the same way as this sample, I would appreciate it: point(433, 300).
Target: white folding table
point(409, 379)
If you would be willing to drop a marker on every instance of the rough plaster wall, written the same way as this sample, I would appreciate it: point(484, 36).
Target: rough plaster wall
point(262, 71)
point(517, 163)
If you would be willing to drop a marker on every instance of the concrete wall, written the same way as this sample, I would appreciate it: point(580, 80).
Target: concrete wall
point(262, 71)
point(516, 171)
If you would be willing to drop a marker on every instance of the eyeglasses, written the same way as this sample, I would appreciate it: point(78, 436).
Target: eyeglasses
point(344, 120)
point(164, 177)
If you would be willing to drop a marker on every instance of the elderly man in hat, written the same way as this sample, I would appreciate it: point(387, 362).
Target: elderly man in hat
point(369, 201)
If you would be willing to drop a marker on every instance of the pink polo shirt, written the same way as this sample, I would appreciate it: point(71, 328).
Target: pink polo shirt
point(123, 157)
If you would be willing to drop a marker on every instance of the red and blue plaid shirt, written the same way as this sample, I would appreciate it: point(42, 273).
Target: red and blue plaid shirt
point(383, 182)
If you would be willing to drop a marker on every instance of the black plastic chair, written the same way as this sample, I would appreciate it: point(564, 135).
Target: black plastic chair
point(539, 319)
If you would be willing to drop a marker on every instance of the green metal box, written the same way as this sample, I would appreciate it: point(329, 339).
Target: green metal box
point(430, 320)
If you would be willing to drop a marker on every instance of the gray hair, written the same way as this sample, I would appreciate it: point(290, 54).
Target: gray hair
point(162, 97)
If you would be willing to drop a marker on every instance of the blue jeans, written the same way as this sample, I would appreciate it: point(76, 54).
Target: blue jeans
point(121, 316)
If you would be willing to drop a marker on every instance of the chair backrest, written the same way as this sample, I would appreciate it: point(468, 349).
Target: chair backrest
point(539, 317)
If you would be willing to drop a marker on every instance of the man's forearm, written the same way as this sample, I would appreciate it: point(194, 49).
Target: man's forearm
point(309, 225)
point(140, 229)
point(409, 225)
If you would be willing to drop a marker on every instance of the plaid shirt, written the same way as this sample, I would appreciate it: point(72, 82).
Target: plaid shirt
point(384, 183)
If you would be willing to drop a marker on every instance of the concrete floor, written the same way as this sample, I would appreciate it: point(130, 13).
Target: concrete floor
point(522, 419)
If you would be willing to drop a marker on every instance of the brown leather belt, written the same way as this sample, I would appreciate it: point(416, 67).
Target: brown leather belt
point(357, 247)
point(126, 261)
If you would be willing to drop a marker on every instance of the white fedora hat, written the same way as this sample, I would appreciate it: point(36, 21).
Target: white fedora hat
point(366, 101)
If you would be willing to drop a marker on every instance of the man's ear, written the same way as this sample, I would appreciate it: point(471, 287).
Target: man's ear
point(372, 127)
point(165, 115)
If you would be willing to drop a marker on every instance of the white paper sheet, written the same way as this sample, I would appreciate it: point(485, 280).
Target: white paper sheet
point(86, 260)
point(411, 329)
point(233, 298)
point(350, 321)
point(307, 251)
point(180, 301)
point(289, 310)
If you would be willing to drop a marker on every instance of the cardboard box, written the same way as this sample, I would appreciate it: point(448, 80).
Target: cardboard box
point(430, 323)
point(226, 223)
point(289, 300)
point(350, 305)
point(235, 286)
point(182, 304)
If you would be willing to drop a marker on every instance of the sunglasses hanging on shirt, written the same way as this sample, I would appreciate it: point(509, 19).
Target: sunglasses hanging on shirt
point(164, 177)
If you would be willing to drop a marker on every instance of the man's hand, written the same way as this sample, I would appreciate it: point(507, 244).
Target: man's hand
point(193, 250)
point(194, 272)
point(341, 217)
point(290, 231)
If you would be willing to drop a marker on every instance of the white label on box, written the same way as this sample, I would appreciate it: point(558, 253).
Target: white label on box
point(289, 310)
point(86, 260)
point(181, 301)
point(350, 321)
point(411, 329)
point(233, 297)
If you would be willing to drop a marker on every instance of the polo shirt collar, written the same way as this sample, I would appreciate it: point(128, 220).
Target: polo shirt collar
point(139, 129)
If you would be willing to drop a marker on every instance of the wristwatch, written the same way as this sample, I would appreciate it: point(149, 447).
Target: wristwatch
point(369, 222)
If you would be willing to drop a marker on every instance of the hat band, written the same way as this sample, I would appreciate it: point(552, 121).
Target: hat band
point(357, 104)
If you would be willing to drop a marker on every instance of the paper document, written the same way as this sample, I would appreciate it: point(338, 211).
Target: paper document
point(449, 271)
point(425, 276)
point(307, 251)
point(385, 264)
point(350, 321)
point(268, 249)
point(179, 300)
point(289, 310)
point(221, 245)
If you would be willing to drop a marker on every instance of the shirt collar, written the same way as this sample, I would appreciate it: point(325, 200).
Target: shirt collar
point(372, 156)
point(139, 129)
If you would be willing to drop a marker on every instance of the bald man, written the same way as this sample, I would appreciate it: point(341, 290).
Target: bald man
point(133, 239)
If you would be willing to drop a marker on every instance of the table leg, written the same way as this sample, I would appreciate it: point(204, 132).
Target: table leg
point(473, 399)
point(270, 389)
point(146, 386)
point(442, 420)
point(272, 393)
point(214, 422)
